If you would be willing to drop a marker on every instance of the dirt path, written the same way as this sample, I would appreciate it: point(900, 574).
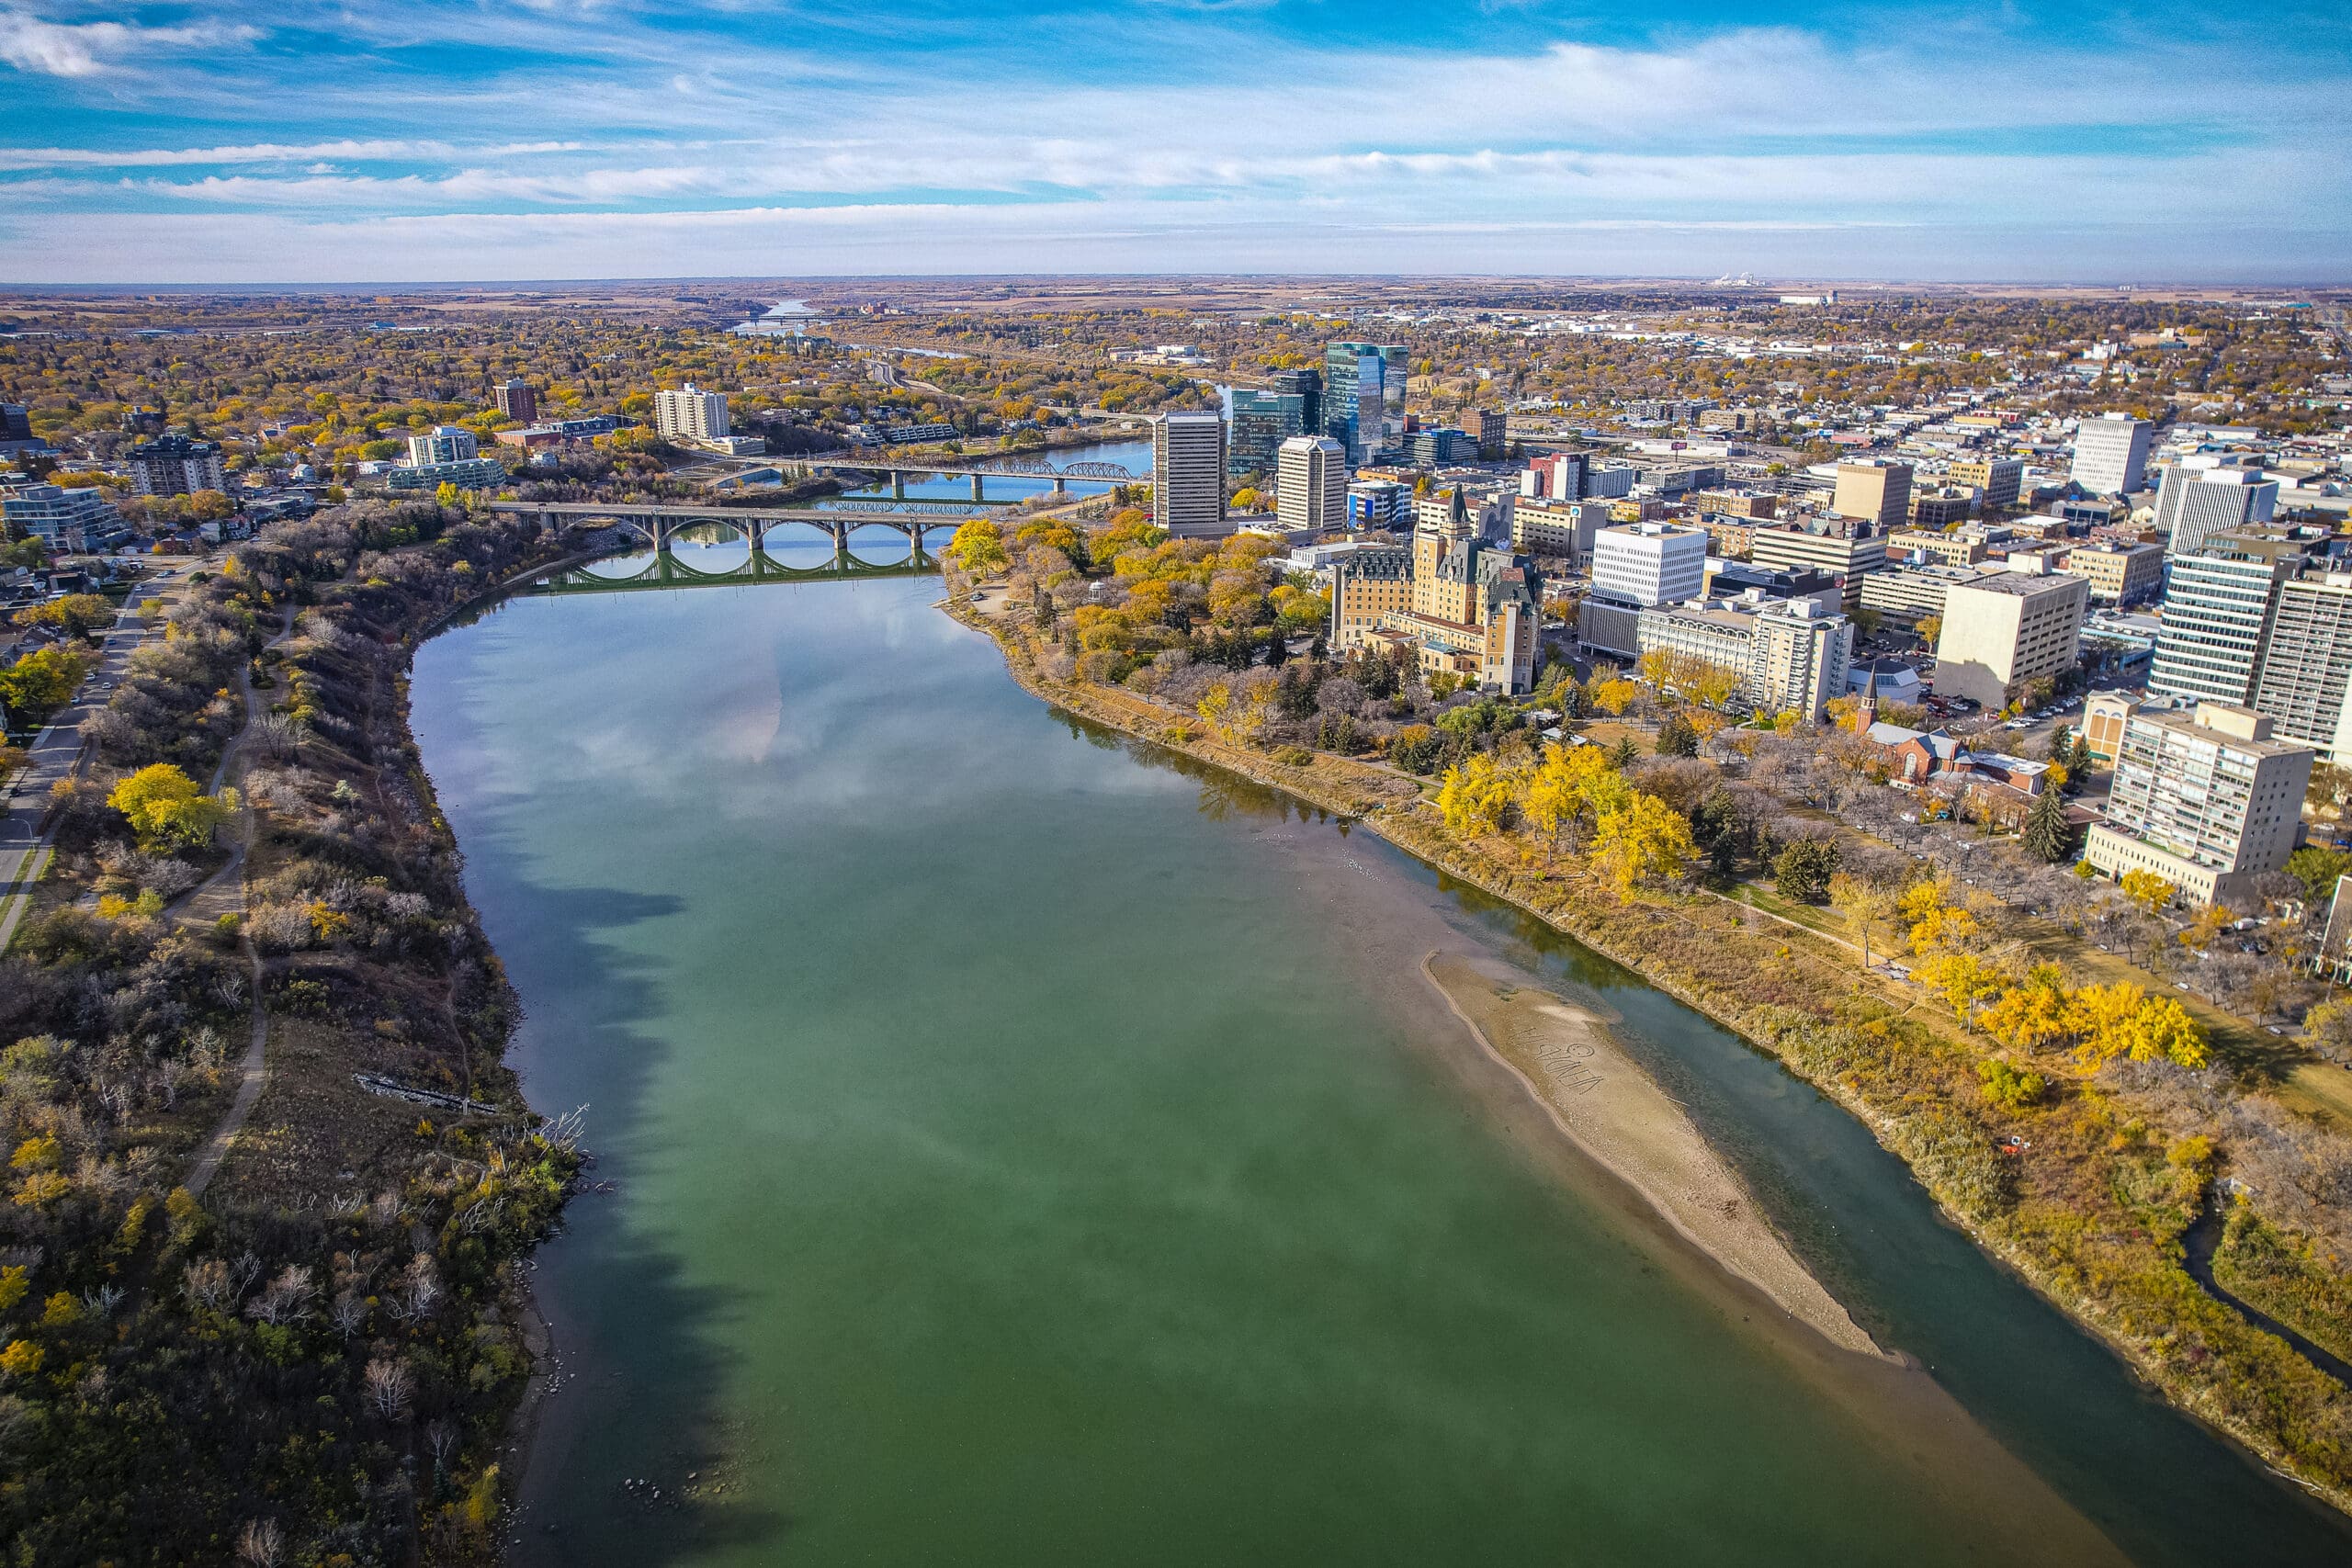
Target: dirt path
point(223, 893)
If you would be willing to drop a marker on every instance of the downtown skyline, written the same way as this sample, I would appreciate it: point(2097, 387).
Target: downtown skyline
point(431, 142)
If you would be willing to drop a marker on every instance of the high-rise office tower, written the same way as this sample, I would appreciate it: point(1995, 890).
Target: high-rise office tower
point(2217, 614)
point(1261, 422)
point(2111, 454)
point(1311, 490)
point(1305, 385)
point(1188, 470)
point(1363, 397)
point(2194, 505)
point(518, 401)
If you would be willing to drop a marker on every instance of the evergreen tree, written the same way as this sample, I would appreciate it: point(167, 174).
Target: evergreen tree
point(2047, 831)
point(1676, 737)
point(1623, 756)
point(2062, 748)
point(2078, 763)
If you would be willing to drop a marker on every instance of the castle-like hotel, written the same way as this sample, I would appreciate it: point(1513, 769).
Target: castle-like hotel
point(1463, 606)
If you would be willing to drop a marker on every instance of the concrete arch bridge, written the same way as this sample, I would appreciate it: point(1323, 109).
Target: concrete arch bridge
point(659, 525)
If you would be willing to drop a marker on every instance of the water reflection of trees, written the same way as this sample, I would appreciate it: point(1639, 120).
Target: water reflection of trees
point(1225, 795)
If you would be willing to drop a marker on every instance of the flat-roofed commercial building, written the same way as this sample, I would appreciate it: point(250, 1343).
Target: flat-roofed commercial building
point(2006, 627)
point(2194, 505)
point(1941, 508)
point(2217, 616)
point(1999, 480)
point(1844, 549)
point(1263, 421)
point(1311, 483)
point(2117, 573)
point(1564, 529)
point(2208, 800)
point(1963, 548)
point(1880, 491)
point(1649, 563)
point(1913, 594)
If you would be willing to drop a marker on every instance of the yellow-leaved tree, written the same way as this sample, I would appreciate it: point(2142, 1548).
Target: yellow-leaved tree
point(978, 548)
point(1474, 795)
point(1639, 837)
point(165, 809)
point(2146, 889)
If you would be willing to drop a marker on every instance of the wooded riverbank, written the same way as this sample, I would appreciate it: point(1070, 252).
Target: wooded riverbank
point(2059, 1217)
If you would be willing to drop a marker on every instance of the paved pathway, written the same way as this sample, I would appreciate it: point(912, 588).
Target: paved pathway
point(25, 834)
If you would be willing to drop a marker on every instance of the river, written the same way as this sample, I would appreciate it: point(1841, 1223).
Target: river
point(1029, 1151)
point(1133, 455)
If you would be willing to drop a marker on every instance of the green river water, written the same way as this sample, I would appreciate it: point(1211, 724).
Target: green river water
point(1029, 1151)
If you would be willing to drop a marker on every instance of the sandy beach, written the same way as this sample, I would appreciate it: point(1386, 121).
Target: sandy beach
point(1612, 1110)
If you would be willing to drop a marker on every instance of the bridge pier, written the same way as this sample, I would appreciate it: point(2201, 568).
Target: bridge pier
point(1062, 485)
point(898, 485)
point(976, 487)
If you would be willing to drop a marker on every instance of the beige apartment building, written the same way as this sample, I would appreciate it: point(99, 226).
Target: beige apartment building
point(1964, 548)
point(2008, 627)
point(2118, 574)
point(2206, 799)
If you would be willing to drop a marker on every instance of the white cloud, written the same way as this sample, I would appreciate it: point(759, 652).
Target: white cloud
point(348, 150)
point(85, 48)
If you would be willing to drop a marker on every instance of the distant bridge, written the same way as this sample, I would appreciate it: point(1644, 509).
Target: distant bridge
point(666, 570)
point(978, 468)
point(659, 524)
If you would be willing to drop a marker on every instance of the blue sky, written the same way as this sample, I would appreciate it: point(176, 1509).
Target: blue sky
point(344, 140)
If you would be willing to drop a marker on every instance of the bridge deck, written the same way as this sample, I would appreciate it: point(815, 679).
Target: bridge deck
point(720, 514)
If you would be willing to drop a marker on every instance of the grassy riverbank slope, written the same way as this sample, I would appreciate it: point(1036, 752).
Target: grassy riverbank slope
point(311, 1358)
point(2092, 1214)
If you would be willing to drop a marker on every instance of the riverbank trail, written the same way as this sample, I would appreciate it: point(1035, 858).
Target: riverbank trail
point(223, 893)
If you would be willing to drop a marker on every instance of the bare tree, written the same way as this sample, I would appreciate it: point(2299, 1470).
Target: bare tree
point(419, 1288)
point(287, 1299)
point(348, 1312)
point(441, 1438)
point(389, 1385)
point(208, 1282)
point(261, 1544)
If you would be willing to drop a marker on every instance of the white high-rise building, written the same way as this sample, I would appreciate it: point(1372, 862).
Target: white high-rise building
point(2195, 502)
point(2111, 454)
point(691, 413)
point(1649, 563)
point(2305, 684)
point(1188, 471)
point(1311, 483)
point(442, 444)
point(2217, 611)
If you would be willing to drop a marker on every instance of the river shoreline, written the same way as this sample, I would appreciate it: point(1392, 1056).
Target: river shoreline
point(1606, 1104)
point(1385, 805)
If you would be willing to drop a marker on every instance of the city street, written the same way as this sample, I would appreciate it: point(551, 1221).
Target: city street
point(58, 747)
